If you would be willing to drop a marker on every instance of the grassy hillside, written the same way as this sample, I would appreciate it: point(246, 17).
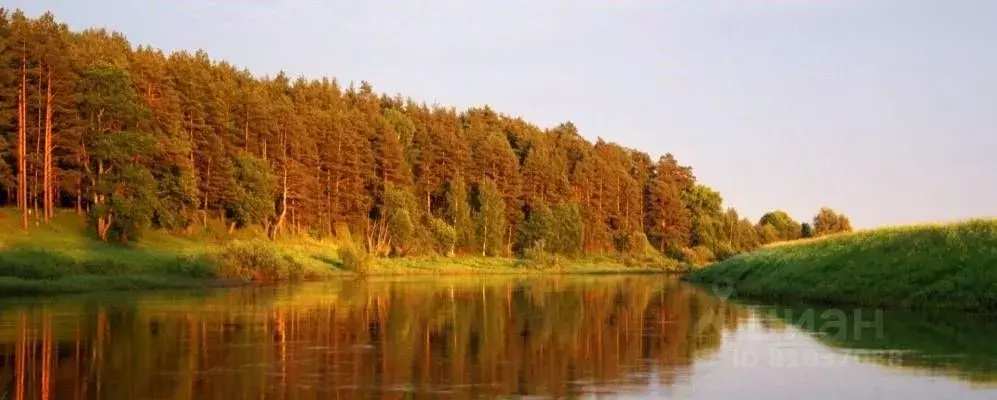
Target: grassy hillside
point(925, 266)
point(64, 256)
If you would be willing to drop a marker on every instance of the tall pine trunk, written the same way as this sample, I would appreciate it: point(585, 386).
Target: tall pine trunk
point(102, 223)
point(294, 221)
point(283, 199)
point(22, 132)
point(79, 196)
point(328, 199)
point(336, 199)
point(39, 132)
point(283, 208)
point(207, 192)
point(47, 179)
point(245, 133)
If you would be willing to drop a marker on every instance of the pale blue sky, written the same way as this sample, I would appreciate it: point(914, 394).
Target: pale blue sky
point(883, 109)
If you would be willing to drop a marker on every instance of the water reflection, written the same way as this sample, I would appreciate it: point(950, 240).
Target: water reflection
point(463, 337)
point(419, 337)
point(941, 343)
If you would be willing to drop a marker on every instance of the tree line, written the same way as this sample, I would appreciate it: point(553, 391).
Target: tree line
point(133, 138)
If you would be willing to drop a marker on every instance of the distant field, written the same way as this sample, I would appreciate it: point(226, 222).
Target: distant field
point(922, 266)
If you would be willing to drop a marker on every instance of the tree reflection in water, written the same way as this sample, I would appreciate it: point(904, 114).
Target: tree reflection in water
point(389, 338)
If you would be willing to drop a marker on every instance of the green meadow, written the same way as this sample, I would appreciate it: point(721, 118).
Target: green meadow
point(941, 266)
point(65, 256)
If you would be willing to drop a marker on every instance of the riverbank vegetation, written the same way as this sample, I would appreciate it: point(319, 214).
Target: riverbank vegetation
point(65, 256)
point(923, 267)
point(166, 158)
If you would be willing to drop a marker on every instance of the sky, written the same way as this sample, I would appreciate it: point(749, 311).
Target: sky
point(885, 110)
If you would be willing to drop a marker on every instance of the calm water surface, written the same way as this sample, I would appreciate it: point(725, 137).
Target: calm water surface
point(432, 337)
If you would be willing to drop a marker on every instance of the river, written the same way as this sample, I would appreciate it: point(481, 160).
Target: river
point(482, 337)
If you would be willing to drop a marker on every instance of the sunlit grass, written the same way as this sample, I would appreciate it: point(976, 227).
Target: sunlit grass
point(64, 256)
point(920, 266)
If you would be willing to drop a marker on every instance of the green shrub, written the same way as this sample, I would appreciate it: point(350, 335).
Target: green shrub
point(293, 270)
point(537, 257)
point(626, 242)
point(257, 262)
point(648, 261)
point(401, 211)
point(444, 236)
point(724, 251)
point(699, 255)
point(635, 250)
point(538, 226)
point(355, 258)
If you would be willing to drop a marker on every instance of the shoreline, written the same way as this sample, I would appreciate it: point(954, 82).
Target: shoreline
point(12, 287)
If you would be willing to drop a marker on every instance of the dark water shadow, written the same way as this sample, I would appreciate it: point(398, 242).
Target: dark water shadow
point(953, 344)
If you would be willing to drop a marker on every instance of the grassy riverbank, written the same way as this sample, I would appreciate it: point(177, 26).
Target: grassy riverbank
point(952, 266)
point(62, 256)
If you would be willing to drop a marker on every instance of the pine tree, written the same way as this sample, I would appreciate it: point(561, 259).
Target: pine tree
point(667, 220)
point(175, 175)
point(57, 76)
point(400, 212)
point(491, 218)
point(252, 201)
point(537, 230)
point(110, 107)
point(392, 168)
point(459, 212)
point(9, 101)
point(567, 233)
point(21, 33)
point(545, 175)
point(493, 158)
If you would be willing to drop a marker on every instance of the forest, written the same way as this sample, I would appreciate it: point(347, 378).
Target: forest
point(131, 139)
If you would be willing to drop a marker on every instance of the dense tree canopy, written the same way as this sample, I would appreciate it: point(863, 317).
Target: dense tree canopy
point(136, 138)
point(784, 225)
point(828, 222)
